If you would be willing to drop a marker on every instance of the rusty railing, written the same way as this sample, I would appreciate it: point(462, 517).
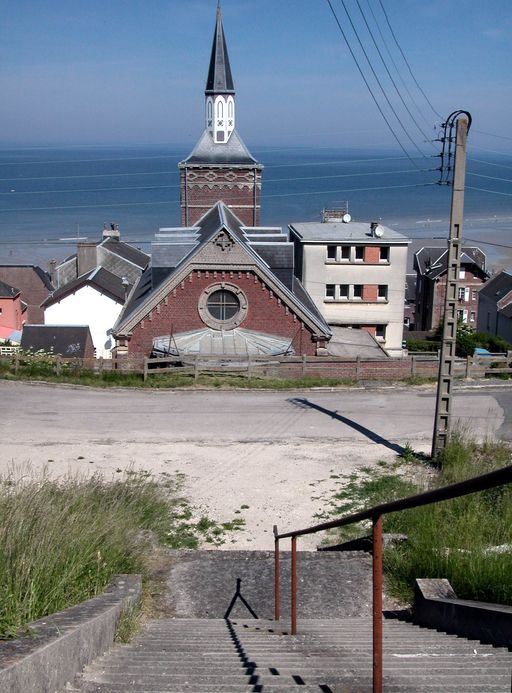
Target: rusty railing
point(375, 514)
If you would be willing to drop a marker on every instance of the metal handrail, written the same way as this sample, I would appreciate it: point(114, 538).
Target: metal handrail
point(457, 490)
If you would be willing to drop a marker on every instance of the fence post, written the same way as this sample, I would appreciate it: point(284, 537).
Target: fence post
point(377, 604)
point(58, 365)
point(145, 375)
point(249, 364)
point(358, 368)
point(196, 367)
point(468, 366)
point(277, 596)
point(294, 587)
point(100, 365)
point(413, 366)
point(304, 363)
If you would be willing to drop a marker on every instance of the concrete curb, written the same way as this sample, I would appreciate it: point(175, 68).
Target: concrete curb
point(57, 647)
point(436, 606)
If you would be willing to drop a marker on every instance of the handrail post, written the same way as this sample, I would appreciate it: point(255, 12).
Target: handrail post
point(294, 586)
point(277, 577)
point(377, 604)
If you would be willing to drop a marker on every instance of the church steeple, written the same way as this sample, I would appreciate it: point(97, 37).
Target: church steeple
point(220, 91)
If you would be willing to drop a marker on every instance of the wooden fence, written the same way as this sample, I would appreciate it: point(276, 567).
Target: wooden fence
point(285, 367)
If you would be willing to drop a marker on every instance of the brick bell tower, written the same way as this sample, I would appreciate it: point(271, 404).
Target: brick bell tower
point(220, 167)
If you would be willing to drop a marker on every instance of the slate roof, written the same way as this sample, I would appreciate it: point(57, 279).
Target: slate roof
point(8, 291)
point(498, 286)
point(217, 218)
point(340, 232)
point(211, 153)
point(126, 251)
point(220, 80)
point(63, 340)
point(434, 261)
point(99, 278)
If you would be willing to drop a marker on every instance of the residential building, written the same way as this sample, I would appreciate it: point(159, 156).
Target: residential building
point(94, 298)
point(220, 167)
point(34, 285)
point(431, 266)
point(220, 287)
point(495, 306)
point(12, 312)
point(355, 274)
point(120, 259)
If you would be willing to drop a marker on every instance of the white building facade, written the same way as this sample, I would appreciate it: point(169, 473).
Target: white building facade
point(355, 274)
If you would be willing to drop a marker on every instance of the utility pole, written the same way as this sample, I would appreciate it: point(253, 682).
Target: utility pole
point(447, 354)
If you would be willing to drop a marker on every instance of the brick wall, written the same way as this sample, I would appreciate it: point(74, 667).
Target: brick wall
point(178, 312)
point(201, 188)
point(370, 292)
point(372, 254)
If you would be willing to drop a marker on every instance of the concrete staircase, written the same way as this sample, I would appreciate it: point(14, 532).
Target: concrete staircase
point(214, 655)
point(199, 651)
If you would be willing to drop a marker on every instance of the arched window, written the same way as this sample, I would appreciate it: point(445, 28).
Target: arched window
point(209, 110)
point(220, 109)
point(230, 108)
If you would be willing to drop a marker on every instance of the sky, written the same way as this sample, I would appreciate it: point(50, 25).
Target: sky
point(134, 71)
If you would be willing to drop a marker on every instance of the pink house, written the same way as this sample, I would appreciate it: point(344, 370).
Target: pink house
point(12, 310)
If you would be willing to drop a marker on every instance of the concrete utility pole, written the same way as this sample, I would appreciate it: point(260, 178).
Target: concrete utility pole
point(447, 354)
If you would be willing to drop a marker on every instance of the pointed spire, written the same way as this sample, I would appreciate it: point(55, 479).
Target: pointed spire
point(219, 79)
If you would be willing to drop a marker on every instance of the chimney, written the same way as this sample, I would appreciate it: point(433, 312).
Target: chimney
point(52, 264)
point(85, 258)
point(111, 231)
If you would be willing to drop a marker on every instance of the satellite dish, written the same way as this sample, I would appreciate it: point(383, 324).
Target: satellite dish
point(378, 231)
point(346, 218)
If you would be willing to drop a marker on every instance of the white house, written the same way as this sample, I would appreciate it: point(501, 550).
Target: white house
point(94, 299)
point(355, 274)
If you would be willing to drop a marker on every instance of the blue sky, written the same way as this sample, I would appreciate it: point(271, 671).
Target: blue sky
point(133, 71)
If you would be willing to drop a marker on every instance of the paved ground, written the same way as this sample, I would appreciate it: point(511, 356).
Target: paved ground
point(275, 452)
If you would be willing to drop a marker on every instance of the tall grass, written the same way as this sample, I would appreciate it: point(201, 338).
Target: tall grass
point(62, 541)
point(467, 540)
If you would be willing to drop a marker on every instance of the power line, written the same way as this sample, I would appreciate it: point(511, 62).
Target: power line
point(407, 62)
point(494, 192)
point(90, 161)
point(398, 72)
point(481, 175)
point(491, 134)
point(490, 163)
point(376, 77)
point(166, 202)
point(367, 84)
point(390, 75)
point(159, 187)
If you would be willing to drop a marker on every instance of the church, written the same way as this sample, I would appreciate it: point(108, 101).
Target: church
point(220, 283)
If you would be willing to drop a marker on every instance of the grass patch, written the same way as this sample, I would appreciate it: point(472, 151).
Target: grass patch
point(73, 374)
point(61, 541)
point(466, 540)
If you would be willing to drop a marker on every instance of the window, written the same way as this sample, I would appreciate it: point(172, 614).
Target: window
point(380, 331)
point(331, 252)
point(223, 305)
point(461, 293)
point(384, 253)
point(345, 252)
point(472, 316)
point(358, 291)
point(359, 252)
point(462, 273)
point(344, 291)
point(407, 321)
point(473, 294)
point(330, 291)
point(383, 292)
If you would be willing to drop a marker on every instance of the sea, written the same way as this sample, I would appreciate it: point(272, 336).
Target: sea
point(52, 197)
